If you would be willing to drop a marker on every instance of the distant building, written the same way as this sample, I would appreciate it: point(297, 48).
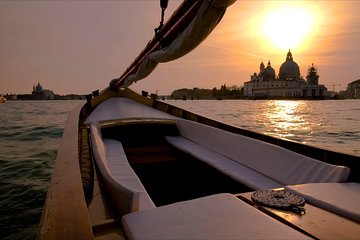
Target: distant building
point(289, 83)
point(39, 93)
point(353, 89)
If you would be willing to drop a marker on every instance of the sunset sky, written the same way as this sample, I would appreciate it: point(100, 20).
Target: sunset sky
point(79, 46)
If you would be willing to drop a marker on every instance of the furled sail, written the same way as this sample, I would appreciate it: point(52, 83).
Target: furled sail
point(188, 26)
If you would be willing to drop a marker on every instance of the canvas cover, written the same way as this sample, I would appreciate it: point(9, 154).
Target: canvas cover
point(207, 18)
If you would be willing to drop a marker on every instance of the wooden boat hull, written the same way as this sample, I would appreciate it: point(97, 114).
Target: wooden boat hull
point(68, 214)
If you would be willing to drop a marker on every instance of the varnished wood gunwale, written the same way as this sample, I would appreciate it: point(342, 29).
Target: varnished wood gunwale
point(65, 214)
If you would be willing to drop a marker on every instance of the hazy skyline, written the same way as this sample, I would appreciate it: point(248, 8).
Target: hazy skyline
point(79, 46)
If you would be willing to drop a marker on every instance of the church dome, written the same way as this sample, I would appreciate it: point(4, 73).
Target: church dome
point(269, 72)
point(289, 69)
point(39, 88)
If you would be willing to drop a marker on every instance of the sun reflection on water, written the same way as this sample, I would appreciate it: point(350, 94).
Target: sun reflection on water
point(329, 124)
point(285, 119)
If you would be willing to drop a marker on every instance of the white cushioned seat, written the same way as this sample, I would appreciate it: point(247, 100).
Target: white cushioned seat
point(220, 216)
point(233, 169)
point(126, 191)
point(276, 163)
point(340, 198)
point(122, 171)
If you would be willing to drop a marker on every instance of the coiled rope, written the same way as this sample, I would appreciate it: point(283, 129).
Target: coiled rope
point(280, 199)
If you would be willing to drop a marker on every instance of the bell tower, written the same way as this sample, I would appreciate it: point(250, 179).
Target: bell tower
point(312, 77)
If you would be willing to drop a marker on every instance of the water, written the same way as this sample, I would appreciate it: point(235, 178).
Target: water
point(30, 133)
point(331, 124)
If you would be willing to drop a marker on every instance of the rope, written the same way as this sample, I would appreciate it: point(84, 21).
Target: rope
point(86, 165)
point(280, 199)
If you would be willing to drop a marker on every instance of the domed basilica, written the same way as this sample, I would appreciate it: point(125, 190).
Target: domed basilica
point(289, 83)
point(39, 93)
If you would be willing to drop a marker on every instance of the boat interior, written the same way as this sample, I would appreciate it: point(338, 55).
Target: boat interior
point(170, 177)
point(141, 164)
point(168, 174)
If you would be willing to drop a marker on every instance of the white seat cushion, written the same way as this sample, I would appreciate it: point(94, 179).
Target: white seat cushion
point(121, 182)
point(340, 198)
point(121, 170)
point(275, 162)
point(235, 170)
point(220, 216)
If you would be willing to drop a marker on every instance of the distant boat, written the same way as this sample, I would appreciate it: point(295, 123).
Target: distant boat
point(134, 167)
point(2, 99)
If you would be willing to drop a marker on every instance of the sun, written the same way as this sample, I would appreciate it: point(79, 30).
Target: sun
point(287, 27)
